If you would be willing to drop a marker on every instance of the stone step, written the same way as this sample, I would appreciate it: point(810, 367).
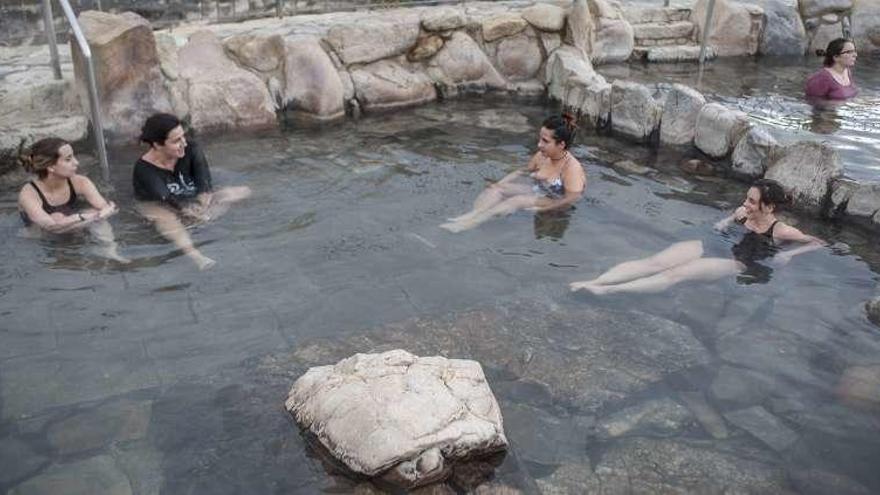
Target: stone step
point(669, 54)
point(663, 30)
point(666, 42)
point(643, 15)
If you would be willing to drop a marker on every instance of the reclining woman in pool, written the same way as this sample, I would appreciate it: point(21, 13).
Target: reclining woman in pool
point(553, 179)
point(834, 81)
point(684, 260)
point(51, 202)
point(172, 180)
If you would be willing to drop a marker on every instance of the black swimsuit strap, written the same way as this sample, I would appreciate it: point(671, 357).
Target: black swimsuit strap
point(39, 193)
point(72, 199)
point(769, 232)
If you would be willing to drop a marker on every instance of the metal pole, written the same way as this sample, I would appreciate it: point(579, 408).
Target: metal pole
point(49, 21)
point(94, 103)
point(707, 29)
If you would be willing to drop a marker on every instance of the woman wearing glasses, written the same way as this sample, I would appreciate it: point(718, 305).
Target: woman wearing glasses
point(834, 81)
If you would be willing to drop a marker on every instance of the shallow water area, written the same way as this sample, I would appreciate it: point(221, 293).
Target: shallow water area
point(771, 91)
point(164, 379)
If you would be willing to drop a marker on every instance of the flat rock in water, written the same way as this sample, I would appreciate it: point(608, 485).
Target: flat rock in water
point(412, 416)
point(119, 421)
point(18, 460)
point(655, 417)
point(641, 465)
point(763, 426)
point(94, 476)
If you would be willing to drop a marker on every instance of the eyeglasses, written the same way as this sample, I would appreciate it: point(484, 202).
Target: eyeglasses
point(848, 51)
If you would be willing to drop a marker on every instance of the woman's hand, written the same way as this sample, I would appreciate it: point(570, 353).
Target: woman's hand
point(110, 209)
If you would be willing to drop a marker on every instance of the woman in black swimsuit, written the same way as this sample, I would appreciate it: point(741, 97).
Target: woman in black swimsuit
point(172, 180)
point(552, 180)
point(50, 202)
point(684, 260)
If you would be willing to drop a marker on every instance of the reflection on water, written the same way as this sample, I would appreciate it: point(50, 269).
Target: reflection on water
point(771, 91)
point(156, 378)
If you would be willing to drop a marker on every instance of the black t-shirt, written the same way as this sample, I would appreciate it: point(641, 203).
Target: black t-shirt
point(190, 178)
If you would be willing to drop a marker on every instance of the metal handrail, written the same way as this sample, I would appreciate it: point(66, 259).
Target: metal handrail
point(94, 102)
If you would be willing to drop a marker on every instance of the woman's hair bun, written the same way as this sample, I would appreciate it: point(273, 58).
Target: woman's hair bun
point(570, 120)
point(820, 52)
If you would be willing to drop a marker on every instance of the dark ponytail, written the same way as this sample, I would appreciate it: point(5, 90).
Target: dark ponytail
point(563, 126)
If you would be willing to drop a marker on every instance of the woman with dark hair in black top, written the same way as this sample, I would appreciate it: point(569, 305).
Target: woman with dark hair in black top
point(172, 179)
point(42, 204)
point(684, 260)
point(552, 180)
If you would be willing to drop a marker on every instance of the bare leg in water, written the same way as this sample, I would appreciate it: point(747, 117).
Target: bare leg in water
point(677, 263)
point(497, 199)
point(168, 224)
point(108, 248)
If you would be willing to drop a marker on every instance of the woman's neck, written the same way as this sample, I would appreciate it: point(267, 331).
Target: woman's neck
point(160, 160)
point(838, 69)
point(52, 182)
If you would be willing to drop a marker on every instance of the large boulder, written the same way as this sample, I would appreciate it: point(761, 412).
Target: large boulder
point(614, 41)
point(817, 8)
point(752, 153)
point(591, 98)
point(579, 29)
point(443, 19)
point(806, 170)
point(461, 64)
point(784, 32)
point(220, 94)
point(570, 79)
point(518, 57)
point(735, 28)
point(373, 38)
point(545, 16)
point(634, 111)
point(394, 414)
point(313, 86)
point(262, 54)
point(719, 129)
point(842, 190)
point(565, 65)
point(390, 84)
point(864, 201)
point(127, 72)
point(681, 105)
point(502, 25)
point(866, 28)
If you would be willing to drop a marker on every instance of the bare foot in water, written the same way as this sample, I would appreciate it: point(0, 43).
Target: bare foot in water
point(454, 227)
point(202, 262)
point(590, 287)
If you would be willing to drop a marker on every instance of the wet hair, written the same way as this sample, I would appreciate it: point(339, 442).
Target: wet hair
point(834, 48)
point(41, 155)
point(771, 193)
point(563, 126)
point(157, 127)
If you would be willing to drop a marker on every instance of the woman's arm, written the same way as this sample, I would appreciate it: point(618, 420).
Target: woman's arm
point(787, 233)
point(738, 215)
point(57, 223)
point(83, 185)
